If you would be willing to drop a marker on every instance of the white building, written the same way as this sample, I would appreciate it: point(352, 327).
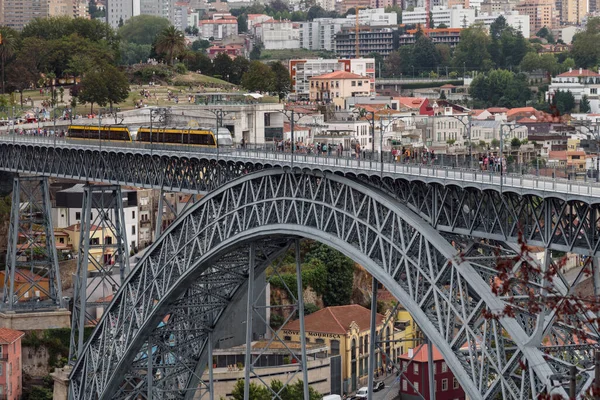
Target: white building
point(565, 33)
point(513, 19)
point(121, 10)
point(580, 82)
point(278, 35)
point(180, 16)
point(319, 34)
point(327, 5)
point(455, 17)
point(302, 70)
point(218, 28)
point(67, 212)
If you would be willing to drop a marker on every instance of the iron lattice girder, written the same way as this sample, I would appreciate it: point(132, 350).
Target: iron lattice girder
point(557, 221)
point(445, 294)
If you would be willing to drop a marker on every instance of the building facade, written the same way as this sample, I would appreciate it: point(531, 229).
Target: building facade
point(278, 35)
point(67, 212)
point(513, 19)
point(11, 376)
point(18, 13)
point(414, 383)
point(334, 87)
point(454, 17)
point(580, 82)
point(121, 10)
point(346, 331)
point(541, 13)
point(370, 40)
point(449, 36)
point(218, 28)
point(302, 70)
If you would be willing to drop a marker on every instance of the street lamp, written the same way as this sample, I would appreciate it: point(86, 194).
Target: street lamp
point(293, 117)
point(390, 120)
point(593, 132)
point(219, 113)
point(467, 125)
point(363, 113)
point(511, 128)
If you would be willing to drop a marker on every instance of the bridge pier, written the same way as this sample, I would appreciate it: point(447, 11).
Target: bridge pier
point(31, 277)
point(103, 261)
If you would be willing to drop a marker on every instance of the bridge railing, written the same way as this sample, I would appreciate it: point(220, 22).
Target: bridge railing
point(518, 176)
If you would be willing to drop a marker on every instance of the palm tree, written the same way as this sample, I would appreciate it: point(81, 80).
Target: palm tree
point(170, 41)
point(7, 49)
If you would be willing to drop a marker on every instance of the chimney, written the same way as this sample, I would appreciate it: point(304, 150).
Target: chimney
point(570, 69)
point(410, 353)
point(580, 71)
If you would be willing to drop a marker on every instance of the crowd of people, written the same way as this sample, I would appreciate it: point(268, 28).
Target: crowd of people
point(491, 162)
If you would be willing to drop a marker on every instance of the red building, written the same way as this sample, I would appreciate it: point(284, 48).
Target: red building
point(11, 378)
point(232, 50)
point(417, 373)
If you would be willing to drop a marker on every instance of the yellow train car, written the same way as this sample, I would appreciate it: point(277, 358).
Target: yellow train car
point(193, 136)
point(104, 132)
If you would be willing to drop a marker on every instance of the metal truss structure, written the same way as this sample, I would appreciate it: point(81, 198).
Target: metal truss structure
point(558, 216)
point(103, 261)
point(154, 339)
point(31, 258)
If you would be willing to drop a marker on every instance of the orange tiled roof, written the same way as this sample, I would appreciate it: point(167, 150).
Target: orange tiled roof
point(557, 155)
point(575, 73)
point(7, 336)
point(411, 102)
point(519, 110)
point(336, 320)
point(420, 354)
point(339, 75)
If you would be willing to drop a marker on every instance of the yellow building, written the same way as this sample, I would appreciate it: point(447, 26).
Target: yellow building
point(346, 331)
point(334, 87)
point(102, 243)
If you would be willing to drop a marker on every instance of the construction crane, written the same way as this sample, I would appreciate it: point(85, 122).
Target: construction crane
point(357, 31)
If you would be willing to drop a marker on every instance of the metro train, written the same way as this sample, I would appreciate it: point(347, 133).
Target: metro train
point(201, 137)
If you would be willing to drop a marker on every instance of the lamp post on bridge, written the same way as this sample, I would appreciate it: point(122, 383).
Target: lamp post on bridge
point(503, 136)
point(592, 130)
point(219, 114)
point(363, 113)
point(293, 117)
point(383, 127)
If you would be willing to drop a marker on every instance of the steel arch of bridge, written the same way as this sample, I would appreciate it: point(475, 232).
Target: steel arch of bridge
point(190, 278)
point(556, 220)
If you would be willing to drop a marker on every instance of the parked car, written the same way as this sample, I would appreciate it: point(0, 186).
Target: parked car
point(378, 385)
point(362, 393)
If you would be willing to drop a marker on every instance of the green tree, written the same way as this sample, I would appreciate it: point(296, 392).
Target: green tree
point(133, 53)
point(257, 392)
point(548, 63)
point(472, 50)
point(242, 21)
point(498, 27)
point(40, 393)
point(515, 142)
point(223, 66)
point(564, 101)
point(584, 105)
point(171, 42)
point(105, 84)
point(546, 34)
point(200, 45)
point(444, 54)
point(8, 45)
point(530, 62)
point(424, 54)
point(500, 88)
point(282, 82)
point(340, 274)
point(256, 50)
point(586, 50)
point(198, 61)
point(294, 391)
point(143, 29)
point(239, 67)
point(567, 64)
point(259, 78)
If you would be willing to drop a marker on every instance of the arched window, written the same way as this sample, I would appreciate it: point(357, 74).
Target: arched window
point(335, 347)
point(353, 350)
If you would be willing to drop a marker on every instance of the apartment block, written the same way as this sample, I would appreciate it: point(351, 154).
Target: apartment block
point(573, 11)
point(449, 36)
point(541, 13)
point(302, 70)
point(496, 6)
point(278, 35)
point(218, 28)
point(121, 10)
point(370, 40)
point(18, 13)
point(513, 19)
point(455, 17)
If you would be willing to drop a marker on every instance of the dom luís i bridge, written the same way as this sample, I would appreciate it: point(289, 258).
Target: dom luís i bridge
point(431, 236)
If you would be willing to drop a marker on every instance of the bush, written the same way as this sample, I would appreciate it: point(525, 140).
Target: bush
point(180, 68)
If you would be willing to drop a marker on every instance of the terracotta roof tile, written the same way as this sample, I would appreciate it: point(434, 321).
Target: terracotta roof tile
point(339, 75)
point(7, 336)
point(576, 72)
point(336, 320)
point(420, 354)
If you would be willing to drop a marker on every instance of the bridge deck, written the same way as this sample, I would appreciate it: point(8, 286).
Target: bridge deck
point(462, 177)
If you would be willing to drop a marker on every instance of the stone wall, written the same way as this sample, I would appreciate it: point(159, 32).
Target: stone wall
point(36, 320)
point(35, 361)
